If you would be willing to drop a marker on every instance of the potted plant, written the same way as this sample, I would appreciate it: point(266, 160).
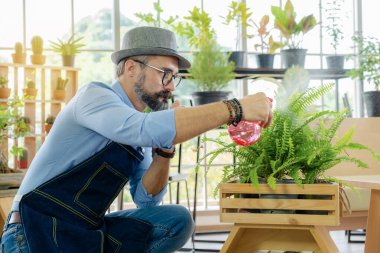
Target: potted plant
point(12, 125)
point(30, 91)
point(59, 92)
point(293, 32)
point(298, 145)
point(266, 44)
point(5, 92)
point(68, 49)
point(334, 30)
point(49, 123)
point(22, 156)
point(37, 47)
point(19, 56)
point(239, 13)
point(211, 71)
point(369, 70)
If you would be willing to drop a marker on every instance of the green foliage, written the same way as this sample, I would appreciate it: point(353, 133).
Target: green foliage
point(50, 120)
point(291, 30)
point(37, 44)
point(334, 25)
point(69, 47)
point(3, 82)
point(197, 28)
point(296, 145)
point(154, 20)
point(239, 13)
point(267, 44)
point(211, 69)
point(61, 83)
point(369, 54)
point(12, 125)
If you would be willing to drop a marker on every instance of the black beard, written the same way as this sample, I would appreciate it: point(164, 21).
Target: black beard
point(152, 100)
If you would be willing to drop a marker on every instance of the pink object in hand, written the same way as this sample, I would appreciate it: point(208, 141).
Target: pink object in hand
point(246, 133)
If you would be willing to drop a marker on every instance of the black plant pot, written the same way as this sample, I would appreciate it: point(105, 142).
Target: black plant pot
point(335, 61)
point(265, 61)
point(206, 97)
point(280, 196)
point(238, 57)
point(372, 102)
point(290, 57)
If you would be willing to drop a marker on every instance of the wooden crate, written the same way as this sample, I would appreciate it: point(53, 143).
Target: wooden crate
point(237, 209)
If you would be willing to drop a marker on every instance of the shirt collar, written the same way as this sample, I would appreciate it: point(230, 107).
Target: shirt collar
point(116, 86)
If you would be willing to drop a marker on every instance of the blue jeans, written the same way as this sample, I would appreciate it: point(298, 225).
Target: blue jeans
point(172, 227)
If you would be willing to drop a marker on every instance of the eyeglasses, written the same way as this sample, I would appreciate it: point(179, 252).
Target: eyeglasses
point(168, 75)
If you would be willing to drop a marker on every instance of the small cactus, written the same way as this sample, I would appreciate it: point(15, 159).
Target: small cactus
point(19, 49)
point(61, 84)
point(37, 44)
point(31, 84)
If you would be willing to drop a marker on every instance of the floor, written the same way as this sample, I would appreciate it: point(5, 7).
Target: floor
point(339, 238)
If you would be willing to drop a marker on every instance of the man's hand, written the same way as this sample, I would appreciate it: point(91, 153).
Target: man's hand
point(257, 107)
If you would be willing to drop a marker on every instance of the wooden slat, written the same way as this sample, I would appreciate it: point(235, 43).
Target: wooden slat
point(292, 219)
point(287, 204)
point(316, 189)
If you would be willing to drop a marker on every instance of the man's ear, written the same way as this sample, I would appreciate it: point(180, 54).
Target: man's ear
point(130, 68)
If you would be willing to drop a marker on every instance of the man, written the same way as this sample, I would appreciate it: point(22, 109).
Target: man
point(101, 140)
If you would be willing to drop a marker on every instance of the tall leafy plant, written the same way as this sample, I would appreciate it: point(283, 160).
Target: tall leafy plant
point(196, 28)
point(266, 42)
point(291, 30)
point(369, 59)
point(211, 69)
point(334, 25)
point(12, 125)
point(154, 19)
point(240, 14)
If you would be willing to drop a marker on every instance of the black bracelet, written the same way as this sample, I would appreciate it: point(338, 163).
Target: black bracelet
point(230, 110)
point(165, 154)
point(238, 110)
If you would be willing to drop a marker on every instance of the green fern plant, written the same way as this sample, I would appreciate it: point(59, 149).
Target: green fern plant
point(297, 145)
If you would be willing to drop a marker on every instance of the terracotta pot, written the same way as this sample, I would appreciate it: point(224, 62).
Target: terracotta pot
point(48, 128)
point(5, 93)
point(38, 59)
point(68, 60)
point(19, 58)
point(59, 95)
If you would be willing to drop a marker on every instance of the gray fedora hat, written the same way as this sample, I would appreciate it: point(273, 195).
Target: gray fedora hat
point(148, 40)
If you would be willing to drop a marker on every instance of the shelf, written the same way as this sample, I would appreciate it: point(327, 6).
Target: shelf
point(253, 73)
point(38, 66)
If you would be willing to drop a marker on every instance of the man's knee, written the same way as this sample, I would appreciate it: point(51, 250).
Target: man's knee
point(183, 220)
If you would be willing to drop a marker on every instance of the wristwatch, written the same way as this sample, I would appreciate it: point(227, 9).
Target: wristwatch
point(165, 154)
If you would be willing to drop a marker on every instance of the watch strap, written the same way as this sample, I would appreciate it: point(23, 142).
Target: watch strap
point(165, 154)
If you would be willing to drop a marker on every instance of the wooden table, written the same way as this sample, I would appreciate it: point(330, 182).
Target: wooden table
point(372, 242)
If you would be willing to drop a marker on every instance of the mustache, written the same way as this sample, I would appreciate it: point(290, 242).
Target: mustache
point(166, 94)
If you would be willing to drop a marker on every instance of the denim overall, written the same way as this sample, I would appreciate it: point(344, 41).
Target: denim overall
point(66, 214)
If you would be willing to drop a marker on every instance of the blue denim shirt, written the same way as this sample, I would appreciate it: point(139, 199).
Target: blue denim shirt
point(97, 114)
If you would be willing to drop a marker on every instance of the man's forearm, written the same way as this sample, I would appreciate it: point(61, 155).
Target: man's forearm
point(193, 121)
point(156, 177)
